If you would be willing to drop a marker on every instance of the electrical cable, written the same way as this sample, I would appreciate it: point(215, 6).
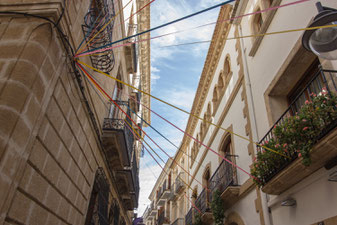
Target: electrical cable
point(257, 35)
point(164, 25)
point(182, 110)
point(192, 28)
point(89, 76)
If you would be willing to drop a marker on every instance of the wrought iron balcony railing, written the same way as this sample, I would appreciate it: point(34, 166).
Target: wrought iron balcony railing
point(323, 80)
point(161, 218)
point(100, 18)
point(179, 183)
point(189, 217)
point(203, 201)
point(222, 178)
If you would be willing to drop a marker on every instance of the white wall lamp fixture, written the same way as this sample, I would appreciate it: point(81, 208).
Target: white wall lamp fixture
point(323, 41)
point(288, 202)
point(333, 176)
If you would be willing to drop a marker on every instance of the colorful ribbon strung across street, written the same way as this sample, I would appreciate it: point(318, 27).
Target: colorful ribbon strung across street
point(131, 97)
point(150, 137)
point(187, 185)
point(164, 25)
point(107, 96)
point(182, 110)
point(230, 19)
point(259, 35)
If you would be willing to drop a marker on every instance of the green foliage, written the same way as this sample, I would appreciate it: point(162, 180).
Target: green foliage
point(197, 219)
point(217, 208)
point(296, 135)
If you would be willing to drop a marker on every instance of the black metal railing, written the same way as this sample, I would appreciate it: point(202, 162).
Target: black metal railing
point(179, 221)
point(203, 201)
point(161, 218)
point(179, 184)
point(100, 17)
point(189, 217)
point(323, 79)
point(222, 178)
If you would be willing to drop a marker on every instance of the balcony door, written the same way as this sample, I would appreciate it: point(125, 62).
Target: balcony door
point(114, 112)
point(206, 183)
point(316, 86)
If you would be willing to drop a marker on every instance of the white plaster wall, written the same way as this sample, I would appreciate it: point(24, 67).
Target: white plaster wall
point(245, 207)
point(316, 199)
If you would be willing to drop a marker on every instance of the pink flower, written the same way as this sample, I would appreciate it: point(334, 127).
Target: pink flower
point(299, 155)
point(285, 145)
point(306, 102)
point(277, 145)
point(304, 120)
point(254, 159)
point(305, 128)
point(324, 101)
point(266, 142)
point(274, 126)
point(285, 150)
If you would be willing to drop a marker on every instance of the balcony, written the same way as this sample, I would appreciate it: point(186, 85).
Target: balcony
point(163, 194)
point(162, 219)
point(203, 203)
point(224, 180)
point(179, 183)
point(179, 221)
point(118, 140)
point(132, 175)
point(172, 196)
point(309, 145)
point(99, 16)
point(153, 210)
point(189, 217)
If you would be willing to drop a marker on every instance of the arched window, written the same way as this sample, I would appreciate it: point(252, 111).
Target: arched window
point(209, 112)
point(227, 66)
point(221, 81)
point(207, 184)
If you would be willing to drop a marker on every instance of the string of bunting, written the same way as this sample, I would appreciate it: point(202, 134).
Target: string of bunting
point(182, 110)
point(226, 20)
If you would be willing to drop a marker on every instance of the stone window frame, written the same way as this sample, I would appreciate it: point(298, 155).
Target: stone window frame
point(276, 95)
point(266, 17)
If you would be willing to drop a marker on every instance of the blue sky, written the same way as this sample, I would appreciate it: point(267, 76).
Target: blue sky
point(175, 73)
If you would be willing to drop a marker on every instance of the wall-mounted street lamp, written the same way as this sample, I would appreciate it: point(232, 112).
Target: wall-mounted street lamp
point(323, 41)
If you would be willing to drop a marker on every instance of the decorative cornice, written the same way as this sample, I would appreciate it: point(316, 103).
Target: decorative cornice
point(143, 21)
point(213, 56)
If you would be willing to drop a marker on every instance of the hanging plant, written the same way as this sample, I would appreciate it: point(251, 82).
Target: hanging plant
point(217, 208)
point(296, 135)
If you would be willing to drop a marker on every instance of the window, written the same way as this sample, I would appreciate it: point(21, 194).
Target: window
point(307, 77)
point(114, 112)
point(97, 213)
point(257, 22)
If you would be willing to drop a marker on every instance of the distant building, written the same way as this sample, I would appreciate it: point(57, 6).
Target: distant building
point(67, 154)
point(251, 86)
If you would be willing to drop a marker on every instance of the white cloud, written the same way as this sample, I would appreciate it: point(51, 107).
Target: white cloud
point(174, 10)
point(147, 180)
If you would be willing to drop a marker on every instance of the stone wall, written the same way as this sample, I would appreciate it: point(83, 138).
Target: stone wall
point(49, 151)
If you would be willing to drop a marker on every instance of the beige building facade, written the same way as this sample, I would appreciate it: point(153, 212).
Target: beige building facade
point(253, 89)
point(67, 154)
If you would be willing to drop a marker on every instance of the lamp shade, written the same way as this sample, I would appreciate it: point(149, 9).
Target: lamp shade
point(322, 41)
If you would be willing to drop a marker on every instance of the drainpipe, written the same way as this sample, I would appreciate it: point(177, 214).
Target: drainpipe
point(252, 116)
